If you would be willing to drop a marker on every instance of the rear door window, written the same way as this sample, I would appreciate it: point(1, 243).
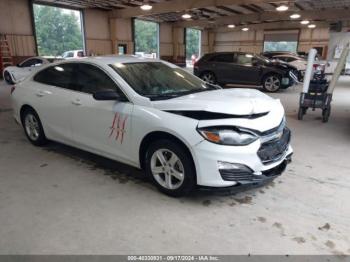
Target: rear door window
point(223, 58)
point(58, 75)
point(31, 62)
point(244, 59)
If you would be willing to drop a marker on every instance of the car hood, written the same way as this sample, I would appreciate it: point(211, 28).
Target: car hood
point(236, 102)
point(280, 65)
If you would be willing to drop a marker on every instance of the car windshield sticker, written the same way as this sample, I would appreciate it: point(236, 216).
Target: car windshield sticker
point(118, 127)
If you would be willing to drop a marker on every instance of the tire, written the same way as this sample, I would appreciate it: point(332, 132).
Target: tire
point(33, 128)
point(272, 83)
point(169, 165)
point(301, 112)
point(325, 114)
point(209, 77)
point(8, 78)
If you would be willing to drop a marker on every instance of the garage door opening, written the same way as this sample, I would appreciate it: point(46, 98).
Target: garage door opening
point(59, 31)
point(281, 41)
point(193, 46)
point(146, 35)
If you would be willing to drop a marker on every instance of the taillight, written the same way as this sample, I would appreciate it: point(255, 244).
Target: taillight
point(13, 89)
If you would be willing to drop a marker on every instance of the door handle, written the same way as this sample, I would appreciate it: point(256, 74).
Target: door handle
point(76, 102)
point(40, 93)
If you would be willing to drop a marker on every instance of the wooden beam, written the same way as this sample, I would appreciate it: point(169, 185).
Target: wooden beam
point(324, 15)
point(182, 5)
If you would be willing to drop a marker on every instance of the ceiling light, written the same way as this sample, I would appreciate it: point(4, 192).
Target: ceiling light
point(146, 7)
point(186, 16)
point(231, 26)
point(311, 26)
point(245, 29)
point(305, 22)
point(282, 8)
point(295, 16)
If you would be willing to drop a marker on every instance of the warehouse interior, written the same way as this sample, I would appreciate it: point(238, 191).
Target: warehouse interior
point(62, 200)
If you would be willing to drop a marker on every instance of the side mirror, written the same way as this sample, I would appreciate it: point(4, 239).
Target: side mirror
point(255, 62)
point(107, 95)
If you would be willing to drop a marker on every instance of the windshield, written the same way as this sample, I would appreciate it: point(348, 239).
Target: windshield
point(263, 58)
point(157, 80)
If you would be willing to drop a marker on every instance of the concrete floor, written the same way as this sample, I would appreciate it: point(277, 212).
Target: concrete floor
point(59, 200)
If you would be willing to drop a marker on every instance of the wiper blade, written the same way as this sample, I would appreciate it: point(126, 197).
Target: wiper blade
point(177, 94)
point(161, 96)
point(213, 86)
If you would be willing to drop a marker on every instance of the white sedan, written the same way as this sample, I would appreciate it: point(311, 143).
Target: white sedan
point(153, 115)
point(15, 74)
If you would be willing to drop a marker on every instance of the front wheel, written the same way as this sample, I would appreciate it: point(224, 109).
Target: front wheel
point(170, 167)
point(33, 128)
point(272, 83)
point(209, 77)
point(8, 78)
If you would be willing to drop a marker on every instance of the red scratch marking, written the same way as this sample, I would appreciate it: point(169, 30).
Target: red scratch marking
point(123, 128)
point(112, 127)
point(120, 128)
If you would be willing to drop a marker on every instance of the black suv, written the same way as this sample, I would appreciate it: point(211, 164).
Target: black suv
point(245, 69)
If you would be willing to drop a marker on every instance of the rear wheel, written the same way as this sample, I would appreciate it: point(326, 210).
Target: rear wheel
point(209, 77)
point(301, 112)
point(8, 78)
point(325, 114)
point(170, 167)
point(272, 83)
point(33, 128)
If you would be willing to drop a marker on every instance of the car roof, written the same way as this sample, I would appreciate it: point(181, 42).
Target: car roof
point(34, 57)
point(287, 55)
point(229, 52)
point(111, 59)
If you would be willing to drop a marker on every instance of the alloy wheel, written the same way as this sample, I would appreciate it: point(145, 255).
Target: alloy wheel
point(272, 83)
point(32, 127)
point(209, 78)
point(167, 169)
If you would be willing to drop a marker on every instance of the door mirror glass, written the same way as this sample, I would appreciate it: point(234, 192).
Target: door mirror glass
point(255, 62)
point(105, 95)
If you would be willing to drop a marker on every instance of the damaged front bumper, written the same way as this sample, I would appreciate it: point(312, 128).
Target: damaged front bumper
point(252, 177)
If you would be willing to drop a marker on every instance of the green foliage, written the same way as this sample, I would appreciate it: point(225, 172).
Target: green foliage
point(192, 42)
point(146, 36)
point(56, 31)
point(281, 46)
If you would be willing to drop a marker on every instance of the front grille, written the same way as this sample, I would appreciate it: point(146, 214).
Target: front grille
point(233, 175)
point(244, 177)
point(274, 150)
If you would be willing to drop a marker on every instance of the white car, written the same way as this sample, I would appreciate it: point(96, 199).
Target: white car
point(153, 115)
point(15, 74)
point(73, 54)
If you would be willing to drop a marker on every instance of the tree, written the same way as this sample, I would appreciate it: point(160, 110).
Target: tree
point(192, 42)
point(56, 31)
point(146, 36)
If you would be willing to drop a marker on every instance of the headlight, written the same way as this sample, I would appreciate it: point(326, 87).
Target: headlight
point(227, 136)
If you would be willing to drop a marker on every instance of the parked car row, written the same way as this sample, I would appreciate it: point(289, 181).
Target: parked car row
point(245, 69)
point(153, 115)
